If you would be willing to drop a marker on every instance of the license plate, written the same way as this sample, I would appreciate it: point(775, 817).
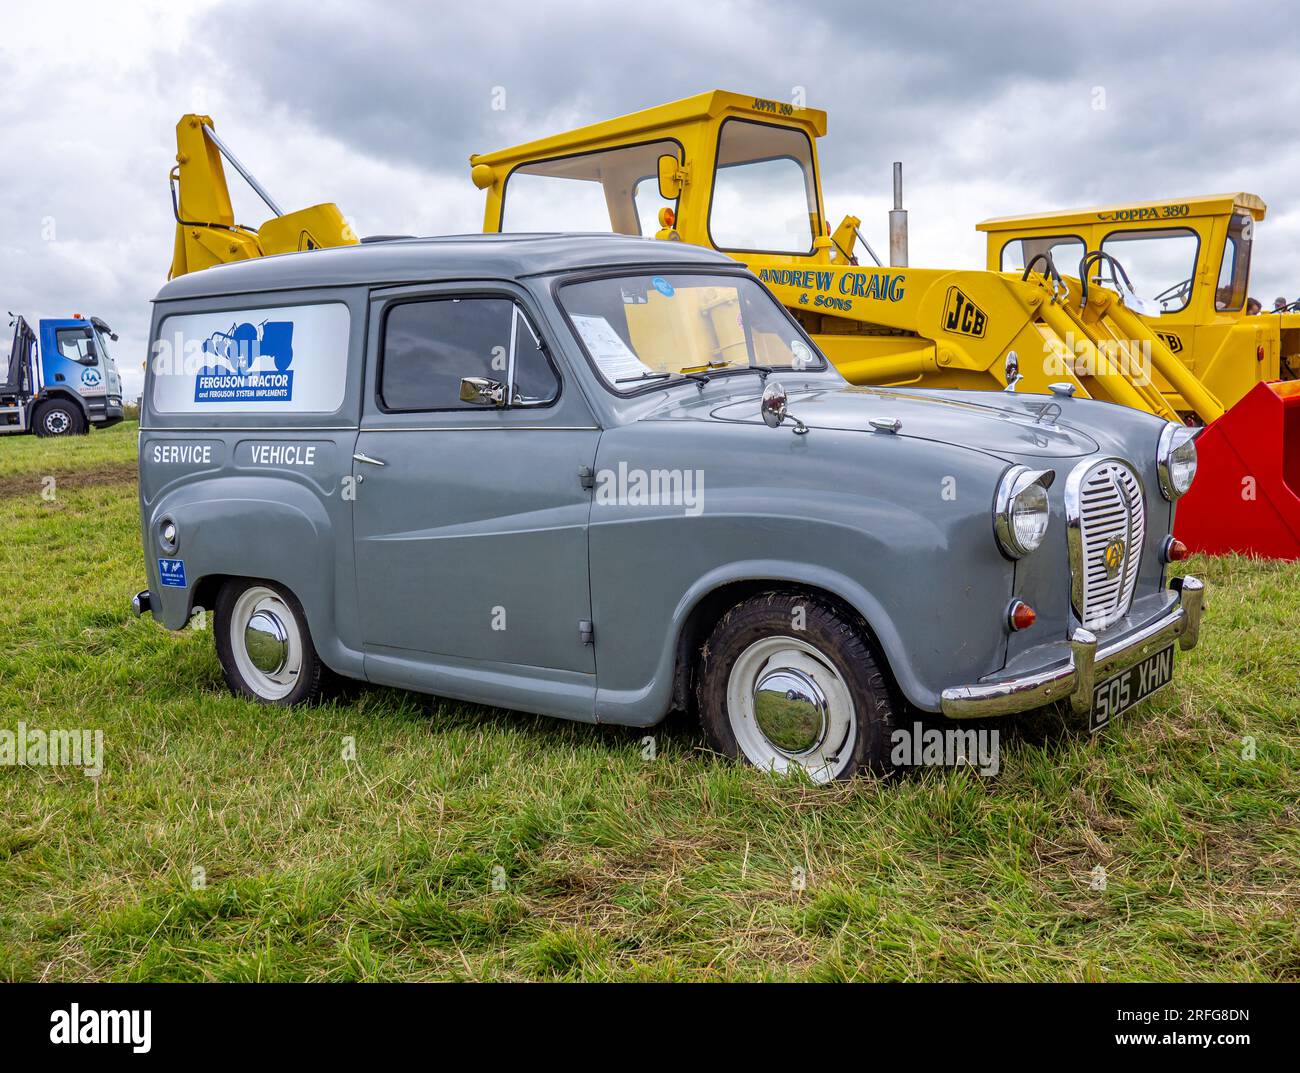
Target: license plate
point(1117, 695)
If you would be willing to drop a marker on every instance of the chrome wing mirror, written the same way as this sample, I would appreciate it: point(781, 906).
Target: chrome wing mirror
point(774, 408)
point(1013, 371)
point(481, 391)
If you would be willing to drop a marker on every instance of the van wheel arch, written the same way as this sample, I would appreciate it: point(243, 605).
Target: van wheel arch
point(300, 675)
point(710, 608)
point(204, 593)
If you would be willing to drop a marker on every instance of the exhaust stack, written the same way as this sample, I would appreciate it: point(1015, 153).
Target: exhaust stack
point(898, 222)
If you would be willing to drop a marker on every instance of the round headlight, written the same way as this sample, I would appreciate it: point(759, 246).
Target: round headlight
point(1021, 510)
point(1176, 460)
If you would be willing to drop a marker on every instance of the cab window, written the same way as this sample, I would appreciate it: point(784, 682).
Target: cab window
point(74, 344)
point(1066, 252)
point(612, 190)
point(764, 189)
point(430, 346)
point(1160, 263)
point(1234, 272)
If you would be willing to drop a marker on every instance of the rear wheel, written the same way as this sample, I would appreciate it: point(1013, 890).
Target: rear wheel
point(783, 698)
point(59, 418)
point(264, 644)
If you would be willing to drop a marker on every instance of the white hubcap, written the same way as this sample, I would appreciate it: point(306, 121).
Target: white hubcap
point(789, 708)
point(266, 642)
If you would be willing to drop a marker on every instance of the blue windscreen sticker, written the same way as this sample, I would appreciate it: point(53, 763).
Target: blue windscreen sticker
point(662, 286)
point(172, 572)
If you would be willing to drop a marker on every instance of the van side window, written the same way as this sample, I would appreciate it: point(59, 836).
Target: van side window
point(430, 346)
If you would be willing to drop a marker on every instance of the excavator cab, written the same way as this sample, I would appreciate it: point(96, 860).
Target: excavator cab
point(738, 174)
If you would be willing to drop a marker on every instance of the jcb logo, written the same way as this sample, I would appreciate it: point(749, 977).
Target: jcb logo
point(1172, 341)
point(963, 316)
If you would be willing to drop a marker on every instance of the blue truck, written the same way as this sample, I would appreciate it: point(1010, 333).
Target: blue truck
point(60, 378)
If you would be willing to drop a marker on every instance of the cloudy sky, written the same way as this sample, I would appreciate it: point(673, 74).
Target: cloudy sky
point(377, 107)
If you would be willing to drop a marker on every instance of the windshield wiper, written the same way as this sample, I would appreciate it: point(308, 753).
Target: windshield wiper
point(762, 370)
point(641, 376)
point(699, 378)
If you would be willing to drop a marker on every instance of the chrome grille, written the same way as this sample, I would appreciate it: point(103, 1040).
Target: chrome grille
point(1112, 528)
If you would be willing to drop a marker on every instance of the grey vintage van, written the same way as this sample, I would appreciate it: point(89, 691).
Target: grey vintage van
point(601, 477)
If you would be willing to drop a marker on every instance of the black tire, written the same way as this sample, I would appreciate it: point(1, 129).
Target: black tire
point(841, 642)
point(306, 679)
point(58, 417)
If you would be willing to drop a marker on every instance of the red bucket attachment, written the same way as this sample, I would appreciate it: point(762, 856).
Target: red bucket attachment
point(1246, 496)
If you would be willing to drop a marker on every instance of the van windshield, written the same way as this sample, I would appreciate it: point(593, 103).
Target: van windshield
point(643, 330)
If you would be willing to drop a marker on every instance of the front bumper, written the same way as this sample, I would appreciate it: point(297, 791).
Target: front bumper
point(1088, 663)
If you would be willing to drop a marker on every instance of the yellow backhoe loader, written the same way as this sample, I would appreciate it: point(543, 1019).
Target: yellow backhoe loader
point(740, 174)
point(1192, 257)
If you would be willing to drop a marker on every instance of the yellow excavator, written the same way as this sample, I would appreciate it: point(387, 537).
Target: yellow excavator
point(740, 174)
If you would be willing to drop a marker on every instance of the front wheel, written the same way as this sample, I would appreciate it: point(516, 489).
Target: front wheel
point(59, 418)
point(788, 682)
point(264, 644)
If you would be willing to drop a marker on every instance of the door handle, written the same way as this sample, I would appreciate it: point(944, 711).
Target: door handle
point(359, 457)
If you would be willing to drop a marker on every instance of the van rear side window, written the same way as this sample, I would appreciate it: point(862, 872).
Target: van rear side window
point(282, 359)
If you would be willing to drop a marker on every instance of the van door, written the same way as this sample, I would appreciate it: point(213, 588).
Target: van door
point(471, 520)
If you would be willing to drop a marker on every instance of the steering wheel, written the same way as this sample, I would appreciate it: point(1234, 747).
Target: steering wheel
point(1172, 294)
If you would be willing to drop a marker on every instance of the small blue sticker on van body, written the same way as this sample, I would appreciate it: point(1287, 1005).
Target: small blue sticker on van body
point(663, 286)
point(172, 572)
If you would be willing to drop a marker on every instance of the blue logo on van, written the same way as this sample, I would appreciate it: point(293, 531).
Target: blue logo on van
point(172, 572)
point(90, 377)
point(234, 376)
point(662, 286)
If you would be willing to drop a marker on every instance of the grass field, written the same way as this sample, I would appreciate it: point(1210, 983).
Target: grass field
point(612, 866)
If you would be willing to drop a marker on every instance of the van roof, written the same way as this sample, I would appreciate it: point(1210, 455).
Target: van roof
point(451, 257)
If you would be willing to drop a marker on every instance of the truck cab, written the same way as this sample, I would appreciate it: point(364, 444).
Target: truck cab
point(60, 379)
